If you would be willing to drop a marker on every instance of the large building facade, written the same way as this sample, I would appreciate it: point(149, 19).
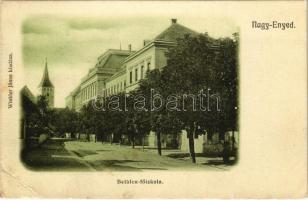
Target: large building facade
point(94, 83)
point(121, 70)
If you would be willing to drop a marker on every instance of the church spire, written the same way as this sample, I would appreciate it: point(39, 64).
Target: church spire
point(45, 82)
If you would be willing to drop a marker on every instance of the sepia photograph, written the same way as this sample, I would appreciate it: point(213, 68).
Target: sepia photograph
point(153, 99)
point(144, 93)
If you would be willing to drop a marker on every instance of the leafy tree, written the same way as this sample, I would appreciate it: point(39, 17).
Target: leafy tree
point(117, 117)
point(147, 87)
point(88, 119)
point(202, 63)
point(140, 114)
point(44, 111)
point(157, 117)
point(131, 119)
point(114, 120)
point(64, 121)
point(37, 116)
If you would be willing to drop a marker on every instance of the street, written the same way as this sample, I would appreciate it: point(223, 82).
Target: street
point(90, 156)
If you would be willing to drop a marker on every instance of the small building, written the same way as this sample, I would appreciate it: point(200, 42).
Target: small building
point(28, 106)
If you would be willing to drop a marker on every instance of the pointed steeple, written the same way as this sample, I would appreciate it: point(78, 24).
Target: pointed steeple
point(45, 82)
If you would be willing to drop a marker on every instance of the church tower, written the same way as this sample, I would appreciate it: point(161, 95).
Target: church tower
point(47, 88)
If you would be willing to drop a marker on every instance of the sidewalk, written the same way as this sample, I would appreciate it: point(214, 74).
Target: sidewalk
point(91, 156)
point(112, 157)
point(185, 156)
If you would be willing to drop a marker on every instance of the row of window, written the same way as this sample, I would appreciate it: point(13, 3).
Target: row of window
point(91, 90)
point(88, 92)
point(47, 89)
point(136, 73)
point(116, 88)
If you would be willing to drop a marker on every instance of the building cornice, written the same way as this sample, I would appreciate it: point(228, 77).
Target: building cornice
point(116, 75)
point(161, 43)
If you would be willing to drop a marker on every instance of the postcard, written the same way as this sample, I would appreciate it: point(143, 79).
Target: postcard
point(153, 99)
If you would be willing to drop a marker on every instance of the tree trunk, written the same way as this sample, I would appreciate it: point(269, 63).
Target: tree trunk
point(233, 146)
point(111, 137)
point(158, 143)
point(191, 133)
point(24, 135)
point(88, 137)
point(143, 143)
point(233, 140)
point(133, 142)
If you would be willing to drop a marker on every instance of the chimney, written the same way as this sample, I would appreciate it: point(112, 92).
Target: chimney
point(173, 21)
point(130, 47)
point(145, 42)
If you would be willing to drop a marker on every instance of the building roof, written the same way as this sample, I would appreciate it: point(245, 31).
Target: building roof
point(25, 91)
point(175, 31)
point(108, 63)
point(45, 82)
point(75, 91)
point(112, 58)
point(117, 74)
point(166, 38)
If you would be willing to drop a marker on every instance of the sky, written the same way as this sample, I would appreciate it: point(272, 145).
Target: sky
point(73, 44)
